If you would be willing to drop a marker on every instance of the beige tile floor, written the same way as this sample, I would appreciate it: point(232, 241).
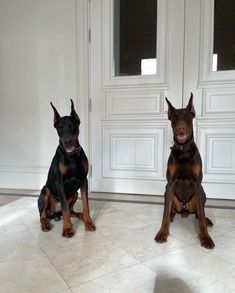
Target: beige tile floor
point(121, 256)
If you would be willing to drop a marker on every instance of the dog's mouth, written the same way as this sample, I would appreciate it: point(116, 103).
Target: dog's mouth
point(70, 149)
point(181, 138)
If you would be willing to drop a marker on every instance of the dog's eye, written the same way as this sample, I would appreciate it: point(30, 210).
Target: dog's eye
point(59, 129)
point(60, 132)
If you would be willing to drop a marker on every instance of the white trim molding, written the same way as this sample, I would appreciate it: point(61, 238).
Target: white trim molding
point(216, 141)
point(219, 102)
point(134, 103)
point(134, 152)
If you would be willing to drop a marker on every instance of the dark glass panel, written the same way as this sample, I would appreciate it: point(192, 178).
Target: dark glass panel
point(135, 34)
point(224, 35)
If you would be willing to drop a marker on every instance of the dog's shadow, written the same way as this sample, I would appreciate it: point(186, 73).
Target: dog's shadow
point(167, 284)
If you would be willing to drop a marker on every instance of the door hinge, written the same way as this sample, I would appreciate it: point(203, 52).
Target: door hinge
point(90, 170)
point(90, 105)
point(89, 35)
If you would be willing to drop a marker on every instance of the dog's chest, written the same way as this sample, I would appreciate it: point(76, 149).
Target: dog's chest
point(74, 169)
point(186, 179)
point(184, 172)
point(184, 189)
point(74, 177)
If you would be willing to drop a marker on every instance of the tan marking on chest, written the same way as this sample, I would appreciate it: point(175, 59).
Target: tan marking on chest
point(171, 169)
point(63, 168)
point(196, 170)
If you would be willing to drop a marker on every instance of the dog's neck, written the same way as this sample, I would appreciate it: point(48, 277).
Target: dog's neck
point(182, 147)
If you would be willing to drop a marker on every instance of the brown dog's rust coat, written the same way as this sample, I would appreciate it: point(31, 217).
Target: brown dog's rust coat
point(184, 193)
point(67, 174)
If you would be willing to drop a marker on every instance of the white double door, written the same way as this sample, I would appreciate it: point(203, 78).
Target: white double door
point(130, 134)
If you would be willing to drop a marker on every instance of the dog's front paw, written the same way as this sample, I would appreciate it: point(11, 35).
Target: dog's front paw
point(68, 232)
point(45, 225)
point(161, 237)
point(207, 242)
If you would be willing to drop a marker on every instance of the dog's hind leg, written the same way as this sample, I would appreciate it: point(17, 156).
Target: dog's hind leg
point(173, 213)
point(209, 223)
point(43, 205)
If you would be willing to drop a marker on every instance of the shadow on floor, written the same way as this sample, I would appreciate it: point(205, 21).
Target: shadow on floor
point(166, 284)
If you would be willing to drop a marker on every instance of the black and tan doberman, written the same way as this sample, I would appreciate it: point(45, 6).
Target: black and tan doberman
point(184, 193)
point(67, 174)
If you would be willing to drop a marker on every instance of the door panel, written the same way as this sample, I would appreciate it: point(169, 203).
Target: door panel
point(130, 140)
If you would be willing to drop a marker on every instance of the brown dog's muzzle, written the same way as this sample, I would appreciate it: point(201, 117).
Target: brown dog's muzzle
point(182, 133)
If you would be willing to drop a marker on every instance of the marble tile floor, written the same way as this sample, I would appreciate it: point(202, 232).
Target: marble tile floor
point(121, 256)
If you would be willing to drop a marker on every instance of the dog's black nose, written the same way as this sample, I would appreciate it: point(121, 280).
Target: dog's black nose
point(68, 143)
point(181, 127)
point(67, 140)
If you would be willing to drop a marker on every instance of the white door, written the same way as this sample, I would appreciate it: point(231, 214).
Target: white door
point(130, 134)
point(209, 72)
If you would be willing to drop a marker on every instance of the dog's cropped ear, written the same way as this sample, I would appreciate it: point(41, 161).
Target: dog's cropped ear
point(74, 114)
point(170, 109)
point(190, 106)
point(56, 114)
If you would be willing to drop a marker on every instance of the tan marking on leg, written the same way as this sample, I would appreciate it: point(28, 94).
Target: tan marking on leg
point(45, 225)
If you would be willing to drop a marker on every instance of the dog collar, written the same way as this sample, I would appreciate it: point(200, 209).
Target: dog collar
point(182, 147)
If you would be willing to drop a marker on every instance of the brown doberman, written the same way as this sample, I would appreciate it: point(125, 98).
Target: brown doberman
point(184, 193)
point(67, 174)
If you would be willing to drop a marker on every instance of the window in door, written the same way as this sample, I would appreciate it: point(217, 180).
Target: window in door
point(224, 35)
point(135, 35)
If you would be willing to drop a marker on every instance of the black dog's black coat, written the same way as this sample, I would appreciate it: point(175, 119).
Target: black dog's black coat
point(67, 174)
point(72, 181)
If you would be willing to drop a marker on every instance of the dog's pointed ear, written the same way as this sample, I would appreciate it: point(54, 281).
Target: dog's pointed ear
point(190, 106)
point(56, 114)
point(74, 114)
point(170, 109)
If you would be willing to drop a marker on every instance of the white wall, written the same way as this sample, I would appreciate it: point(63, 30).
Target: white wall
point(37, 65)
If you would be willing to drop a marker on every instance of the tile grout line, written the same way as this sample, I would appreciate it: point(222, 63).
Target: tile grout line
point(44, 251)
point(47, 256)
